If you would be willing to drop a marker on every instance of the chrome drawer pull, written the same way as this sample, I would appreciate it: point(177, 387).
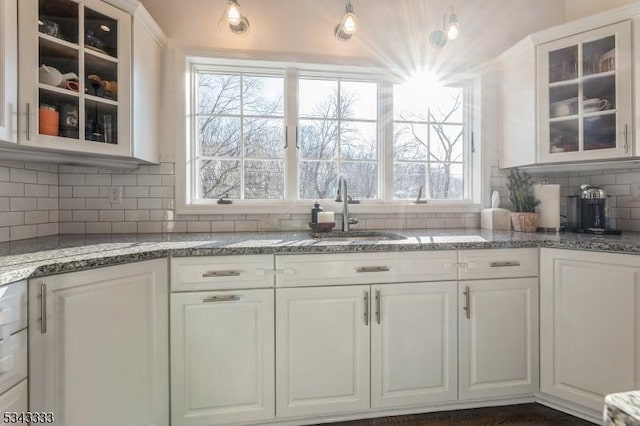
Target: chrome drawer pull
point(217, 274)
point(213, 299)
point(372, 269)
point(43, 308)
point(467, 302)
point(366, 308)
point(502, 264)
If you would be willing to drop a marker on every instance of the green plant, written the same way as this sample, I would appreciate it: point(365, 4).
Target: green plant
point(521, 194)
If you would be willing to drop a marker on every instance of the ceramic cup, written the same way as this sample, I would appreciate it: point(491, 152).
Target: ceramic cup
point(595, 104)
point(564, 107)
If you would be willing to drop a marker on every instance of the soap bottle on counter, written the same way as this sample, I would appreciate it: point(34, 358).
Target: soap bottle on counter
point(314, 212)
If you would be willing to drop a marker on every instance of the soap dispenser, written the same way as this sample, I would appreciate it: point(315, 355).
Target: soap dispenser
point(314, 211)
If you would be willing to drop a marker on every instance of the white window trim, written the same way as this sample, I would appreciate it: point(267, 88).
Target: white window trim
point(184, 59)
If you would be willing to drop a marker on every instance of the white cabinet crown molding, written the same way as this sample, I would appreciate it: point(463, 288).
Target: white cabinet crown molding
point(141, 13)
point(129, 6)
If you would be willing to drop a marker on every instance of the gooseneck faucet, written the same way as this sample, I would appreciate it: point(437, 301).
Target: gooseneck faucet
point(343, 196)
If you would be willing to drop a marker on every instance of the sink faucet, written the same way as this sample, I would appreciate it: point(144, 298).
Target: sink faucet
point(343, 196)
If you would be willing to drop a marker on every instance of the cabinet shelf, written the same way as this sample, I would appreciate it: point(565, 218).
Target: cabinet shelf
point(59, 90)
point(563, 118)
point(57, 41)
point(89, 51)
point(100, 100)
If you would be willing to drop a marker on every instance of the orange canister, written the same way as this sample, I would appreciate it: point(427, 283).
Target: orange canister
point(49, 120)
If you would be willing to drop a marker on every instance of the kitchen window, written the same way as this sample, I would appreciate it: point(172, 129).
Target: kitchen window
point(279, 135)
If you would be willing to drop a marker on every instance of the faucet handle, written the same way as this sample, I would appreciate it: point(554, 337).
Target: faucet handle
point(353, 221)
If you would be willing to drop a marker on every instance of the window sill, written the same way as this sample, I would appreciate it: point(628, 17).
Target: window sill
point(256, 207)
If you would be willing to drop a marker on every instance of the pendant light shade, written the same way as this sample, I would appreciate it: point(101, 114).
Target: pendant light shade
point(449, 31)
point(348, 25)
point(233, 20)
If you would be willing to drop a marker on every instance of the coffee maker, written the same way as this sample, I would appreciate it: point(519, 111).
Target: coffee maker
point(589, 212)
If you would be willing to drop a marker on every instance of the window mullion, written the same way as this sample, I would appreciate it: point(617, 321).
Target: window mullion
point(291, 153)
point(386, 143)
point(242, 150)
point(427, 184)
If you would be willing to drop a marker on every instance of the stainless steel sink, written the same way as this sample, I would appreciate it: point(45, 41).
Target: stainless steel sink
point(358, 236)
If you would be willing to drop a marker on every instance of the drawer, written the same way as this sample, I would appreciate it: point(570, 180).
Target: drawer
point(497, 263)
point(13, 360)
point(15, 400)
point(364, 268)
point(221, 272)
point(13, 307)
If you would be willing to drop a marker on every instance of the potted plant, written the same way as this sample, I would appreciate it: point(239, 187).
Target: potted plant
point(525, 218)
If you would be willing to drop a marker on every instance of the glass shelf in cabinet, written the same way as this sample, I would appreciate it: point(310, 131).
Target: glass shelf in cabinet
point(100, 54)
point(56, 40)
point(563, 118)
point(59, 90)
point(101, 100)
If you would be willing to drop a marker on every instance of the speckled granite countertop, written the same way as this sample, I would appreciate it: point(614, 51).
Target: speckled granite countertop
point(622, 409)
point(54, 255)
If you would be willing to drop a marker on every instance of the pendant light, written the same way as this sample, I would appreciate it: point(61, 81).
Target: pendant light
point(233, 20)
point(348, 25)
point(449, 32)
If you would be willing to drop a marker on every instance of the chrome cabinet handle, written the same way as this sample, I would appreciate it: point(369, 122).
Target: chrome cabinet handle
point(28, 121)
point(372, 269)
point(378, 313)
point(366, 308)
point(503, 264)
point(213, 299)
point(626, 138)
point(43, 308)
point(467, 302)
point(217, 274)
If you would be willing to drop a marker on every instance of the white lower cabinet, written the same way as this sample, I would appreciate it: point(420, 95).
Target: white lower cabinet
point(15, 400)
point(590, 325)
point(222, 357)
point(98, 346)
point(322, 350)
point(413, 344)
point(498, 326)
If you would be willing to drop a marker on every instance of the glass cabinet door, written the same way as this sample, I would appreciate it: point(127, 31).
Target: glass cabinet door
point(82, 75)
point(585, 106)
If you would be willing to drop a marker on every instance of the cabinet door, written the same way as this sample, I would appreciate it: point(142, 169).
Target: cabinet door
point(322, 350)
point(498, 323)
point(222, 357)
point(8, 70)
point(75, 76)
point(15, 400)
point(590, 327)
point(413, 344)
point(98, 346)
point(585, 100)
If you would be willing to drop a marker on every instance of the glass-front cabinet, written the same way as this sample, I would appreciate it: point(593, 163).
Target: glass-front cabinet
point(75, 76)
point(585, 99)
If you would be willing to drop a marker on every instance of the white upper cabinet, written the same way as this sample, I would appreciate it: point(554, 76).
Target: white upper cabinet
point(75, 76)
point(8, 70)
point(565, 94)
point(585, 96)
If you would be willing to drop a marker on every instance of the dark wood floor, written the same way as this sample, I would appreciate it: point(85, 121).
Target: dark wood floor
point(524, 414)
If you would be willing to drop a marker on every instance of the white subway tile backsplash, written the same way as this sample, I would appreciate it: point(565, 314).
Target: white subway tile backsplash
point(23, 204)
point(23, 175)
point(33, 190)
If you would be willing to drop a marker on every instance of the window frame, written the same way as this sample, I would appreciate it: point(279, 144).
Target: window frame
point(292, 71)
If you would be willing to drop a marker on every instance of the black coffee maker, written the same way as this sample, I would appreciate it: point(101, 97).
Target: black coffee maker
point(589, 212)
